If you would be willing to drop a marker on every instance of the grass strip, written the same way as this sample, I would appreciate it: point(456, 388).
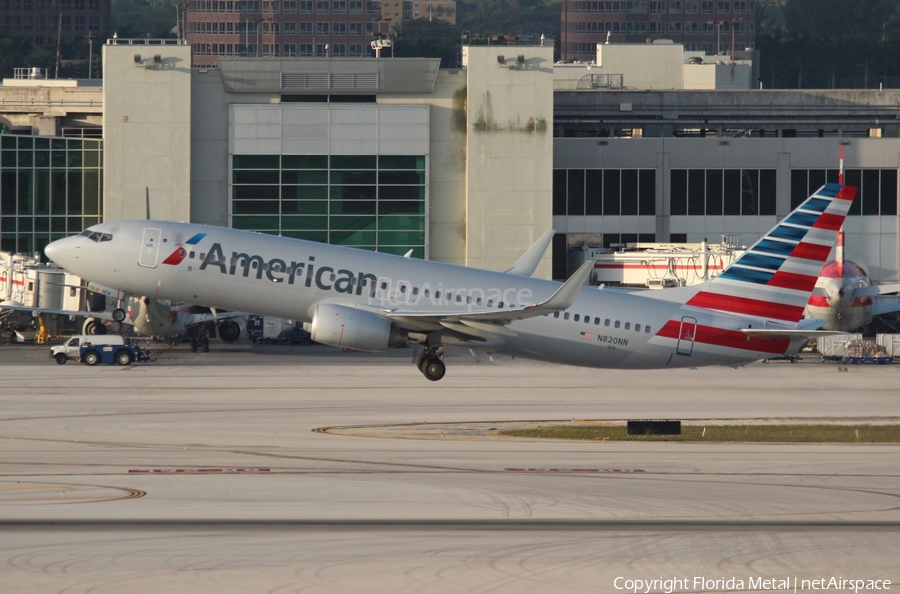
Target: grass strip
point(724, 433)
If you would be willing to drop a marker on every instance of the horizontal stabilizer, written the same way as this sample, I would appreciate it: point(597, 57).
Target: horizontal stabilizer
point(884, 304)
point(528, 263)
point(877, 290)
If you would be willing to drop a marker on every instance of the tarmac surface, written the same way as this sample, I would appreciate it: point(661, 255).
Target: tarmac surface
point(287, 469)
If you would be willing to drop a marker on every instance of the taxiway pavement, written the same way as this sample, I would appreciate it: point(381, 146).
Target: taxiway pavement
point(210, 473)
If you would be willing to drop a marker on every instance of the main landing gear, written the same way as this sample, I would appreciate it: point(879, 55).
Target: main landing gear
point(430, 364)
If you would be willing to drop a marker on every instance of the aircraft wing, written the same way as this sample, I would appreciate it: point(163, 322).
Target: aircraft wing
point(491, 321)
point(195, 319)
point(99, 315)
point(883, 304)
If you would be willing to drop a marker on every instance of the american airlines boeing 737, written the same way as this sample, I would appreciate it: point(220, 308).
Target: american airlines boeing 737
point(371, 301)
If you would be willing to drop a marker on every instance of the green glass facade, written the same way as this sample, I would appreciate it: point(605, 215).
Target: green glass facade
point(49, 188)
point(364, 201)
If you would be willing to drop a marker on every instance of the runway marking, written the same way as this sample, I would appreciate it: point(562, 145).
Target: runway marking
point(566, 470)
point(198, 470)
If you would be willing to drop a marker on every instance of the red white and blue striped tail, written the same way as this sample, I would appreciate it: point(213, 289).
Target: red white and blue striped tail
point(775, 277)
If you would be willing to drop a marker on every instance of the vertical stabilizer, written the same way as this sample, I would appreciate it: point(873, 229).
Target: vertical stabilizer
point(775, 277)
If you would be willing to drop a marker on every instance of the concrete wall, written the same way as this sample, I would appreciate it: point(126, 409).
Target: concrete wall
point(718, 76)
point(509, 152)
point(645, 66)
point(147, 132)
point(447, 164)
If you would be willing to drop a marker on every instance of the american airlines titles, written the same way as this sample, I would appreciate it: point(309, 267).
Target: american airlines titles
point(341, 280)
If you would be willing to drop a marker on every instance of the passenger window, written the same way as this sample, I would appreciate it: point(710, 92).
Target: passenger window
point(628, 325)
point(596, 321)
point(426, 292)
point(587, 319)
point(646, 329)
point(500, 305)
point(415, 290)
point(616, 324)
point(437, 294)
point(490, 303)
point(637, 327)
point(478, 301)
point(459, 298)
point(556, 314)
point(191, 255)
point(576, 317)
point(566, 316)
point(606, 322)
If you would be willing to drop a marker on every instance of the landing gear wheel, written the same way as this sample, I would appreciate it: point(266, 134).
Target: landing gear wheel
point(60, 358)
point(118, 314)
point(194, 345)
point(204, 345)
point(434, 369)
point(420, 360)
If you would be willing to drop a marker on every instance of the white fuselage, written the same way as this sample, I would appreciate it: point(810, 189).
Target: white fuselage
point(288, 278)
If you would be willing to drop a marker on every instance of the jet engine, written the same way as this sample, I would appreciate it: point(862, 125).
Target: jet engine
point(350, 328)
point(229, 331)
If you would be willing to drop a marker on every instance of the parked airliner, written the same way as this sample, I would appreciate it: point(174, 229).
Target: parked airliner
point(371, 301)
point(846, 297)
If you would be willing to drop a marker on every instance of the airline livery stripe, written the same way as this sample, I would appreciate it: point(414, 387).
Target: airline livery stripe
point(743, 274)
point(726, 338)
point(747, 307)
point(817, 205)
point(789, 233)
point(831, 222)
point(847, 193)
point(761, 261)
point(811, 251)
point(804, 219)
point(196, 239)
point(820, 301)
point(770, 246)
point(789, 280)
point(757, 291)
point(829, 190)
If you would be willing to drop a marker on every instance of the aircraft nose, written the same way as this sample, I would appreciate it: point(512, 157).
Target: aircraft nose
point(60, 251)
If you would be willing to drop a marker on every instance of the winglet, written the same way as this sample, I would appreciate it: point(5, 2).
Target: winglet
point(528, 263)
point(565, 296)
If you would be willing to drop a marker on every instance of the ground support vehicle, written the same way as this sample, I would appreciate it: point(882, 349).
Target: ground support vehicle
point(109, 354)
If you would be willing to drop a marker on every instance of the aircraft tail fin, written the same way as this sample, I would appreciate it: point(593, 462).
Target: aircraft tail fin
point(775, 277)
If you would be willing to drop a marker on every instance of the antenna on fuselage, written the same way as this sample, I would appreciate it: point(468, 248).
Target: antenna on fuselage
point(147, 199)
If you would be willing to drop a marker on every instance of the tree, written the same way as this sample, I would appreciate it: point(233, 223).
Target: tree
point(823, 18)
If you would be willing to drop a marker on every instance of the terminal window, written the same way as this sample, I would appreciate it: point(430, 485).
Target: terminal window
point(364, 201)
point(877, 188)
point(49, 188)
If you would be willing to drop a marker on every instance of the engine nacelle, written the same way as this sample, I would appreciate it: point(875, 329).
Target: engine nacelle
point(351, 328)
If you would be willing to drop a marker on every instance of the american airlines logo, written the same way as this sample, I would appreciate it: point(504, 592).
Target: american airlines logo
point(341, 280)
point(180, 253)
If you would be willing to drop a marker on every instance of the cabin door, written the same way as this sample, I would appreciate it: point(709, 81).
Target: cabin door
point(150, 248)
point(686, 335)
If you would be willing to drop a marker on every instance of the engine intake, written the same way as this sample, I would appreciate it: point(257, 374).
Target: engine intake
point(351, 328)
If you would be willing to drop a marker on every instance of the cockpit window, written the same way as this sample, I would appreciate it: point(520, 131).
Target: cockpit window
point(96, 236)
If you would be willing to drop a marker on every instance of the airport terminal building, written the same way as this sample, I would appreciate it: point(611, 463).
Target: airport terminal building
point(468, 166)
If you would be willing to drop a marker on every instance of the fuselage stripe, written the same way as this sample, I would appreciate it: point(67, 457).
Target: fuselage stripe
point(748, 307)
point(726, 338)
